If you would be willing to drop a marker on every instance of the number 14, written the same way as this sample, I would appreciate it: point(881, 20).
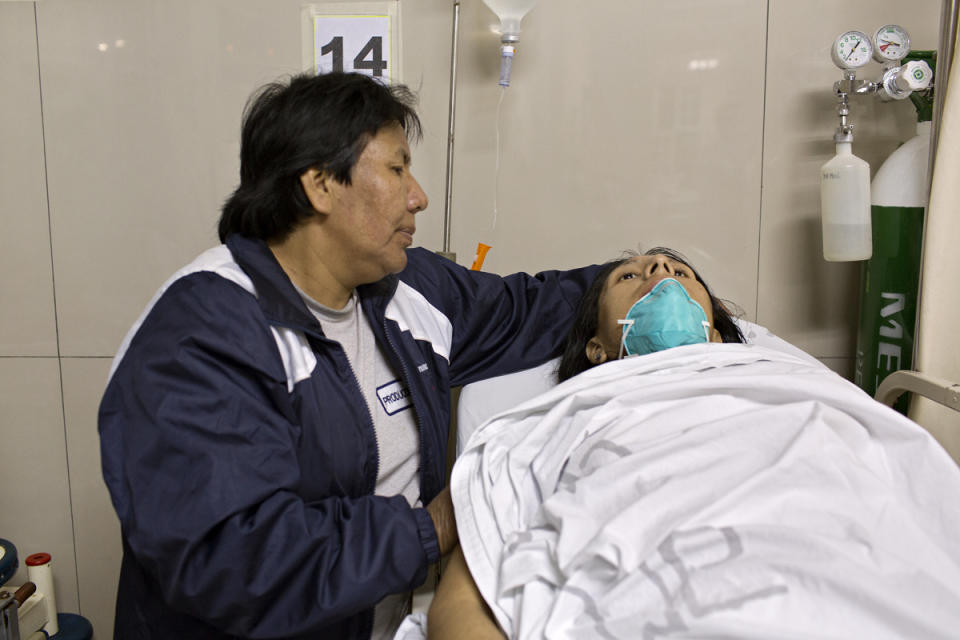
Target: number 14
point(372, 50)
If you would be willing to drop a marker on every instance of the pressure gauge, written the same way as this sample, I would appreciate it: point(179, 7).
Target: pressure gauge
point(852, 50)
point(891, 43)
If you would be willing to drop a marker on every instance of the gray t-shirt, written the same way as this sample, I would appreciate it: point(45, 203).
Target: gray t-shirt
point(394, 421)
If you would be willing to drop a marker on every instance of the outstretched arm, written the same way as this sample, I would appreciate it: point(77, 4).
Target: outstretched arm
point(458, 610)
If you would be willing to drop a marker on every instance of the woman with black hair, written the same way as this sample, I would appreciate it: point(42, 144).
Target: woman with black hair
point(595, 337)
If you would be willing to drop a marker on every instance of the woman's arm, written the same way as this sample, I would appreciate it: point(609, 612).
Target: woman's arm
point(458, 610)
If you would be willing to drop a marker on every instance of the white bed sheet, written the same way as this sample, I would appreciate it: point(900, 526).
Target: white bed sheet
point(482, 400)
point(711, 491)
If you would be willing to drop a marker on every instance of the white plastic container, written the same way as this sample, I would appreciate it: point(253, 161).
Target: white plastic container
point(40, 573)
point(845, 206)
point(510, 12)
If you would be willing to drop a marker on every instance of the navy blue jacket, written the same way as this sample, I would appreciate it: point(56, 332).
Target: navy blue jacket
point(241, 457)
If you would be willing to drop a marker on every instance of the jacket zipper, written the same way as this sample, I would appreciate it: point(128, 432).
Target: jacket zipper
point(370, 423)
point(406, 380)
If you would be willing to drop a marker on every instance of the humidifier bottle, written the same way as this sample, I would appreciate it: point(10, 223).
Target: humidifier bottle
point(845, 204)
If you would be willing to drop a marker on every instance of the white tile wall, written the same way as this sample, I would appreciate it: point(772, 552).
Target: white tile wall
point(95, 524)
point(143, 142)
point(26, 289)
point(627, 125)
point(842, 366)
point(143, 106)
point(35, 500)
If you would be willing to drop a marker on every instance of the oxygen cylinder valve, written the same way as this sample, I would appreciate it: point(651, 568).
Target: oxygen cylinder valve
point(899, 82)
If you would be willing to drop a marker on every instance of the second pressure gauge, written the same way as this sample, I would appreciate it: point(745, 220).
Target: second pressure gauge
point(891, 43)
point(852, 50)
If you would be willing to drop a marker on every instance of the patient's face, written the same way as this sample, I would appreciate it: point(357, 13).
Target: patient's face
point(631, 281)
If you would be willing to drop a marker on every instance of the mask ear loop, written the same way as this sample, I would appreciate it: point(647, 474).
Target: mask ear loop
point(706, 329)
point(627, 324)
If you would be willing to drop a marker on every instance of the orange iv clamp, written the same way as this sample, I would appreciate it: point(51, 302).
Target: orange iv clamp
point(481, 255)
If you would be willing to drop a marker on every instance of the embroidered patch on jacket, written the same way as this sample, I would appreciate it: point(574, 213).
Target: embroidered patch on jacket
point(394, 397)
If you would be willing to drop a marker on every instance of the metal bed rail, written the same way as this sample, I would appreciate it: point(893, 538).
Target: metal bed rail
point(939, 390)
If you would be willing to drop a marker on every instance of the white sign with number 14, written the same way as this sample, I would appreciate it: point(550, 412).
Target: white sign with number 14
point(353, 37)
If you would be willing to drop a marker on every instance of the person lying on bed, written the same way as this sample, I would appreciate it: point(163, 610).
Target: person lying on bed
point(635, 305)
point(642, 304)
point(707, 490)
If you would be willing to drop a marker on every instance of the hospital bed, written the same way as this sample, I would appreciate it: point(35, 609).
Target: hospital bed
point(939, 390)
point(649, 497)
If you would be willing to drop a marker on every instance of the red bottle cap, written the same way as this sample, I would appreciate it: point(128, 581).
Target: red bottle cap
point(37, 559)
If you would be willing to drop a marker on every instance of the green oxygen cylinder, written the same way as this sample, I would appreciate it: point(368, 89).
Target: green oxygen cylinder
point(890, 278)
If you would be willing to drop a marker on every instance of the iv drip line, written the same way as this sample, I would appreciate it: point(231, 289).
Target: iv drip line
point(496, 175)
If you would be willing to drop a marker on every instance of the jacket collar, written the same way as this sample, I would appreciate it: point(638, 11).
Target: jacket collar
point(279, 300)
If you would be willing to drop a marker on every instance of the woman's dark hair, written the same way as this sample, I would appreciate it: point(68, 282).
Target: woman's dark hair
point(585, 324)
point(311, 121)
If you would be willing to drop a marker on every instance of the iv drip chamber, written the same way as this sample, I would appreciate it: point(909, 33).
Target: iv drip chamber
point(845, 205)
point(506, 64)
point(510, 12)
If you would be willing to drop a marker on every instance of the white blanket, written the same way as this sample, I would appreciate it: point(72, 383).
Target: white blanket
point(715, 490)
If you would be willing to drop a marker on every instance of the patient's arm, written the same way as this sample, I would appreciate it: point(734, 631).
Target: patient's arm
point(458, 610)
point(444, 522)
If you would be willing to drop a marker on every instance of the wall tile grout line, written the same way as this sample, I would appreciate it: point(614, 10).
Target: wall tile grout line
point(56, 319)
point(763, 148)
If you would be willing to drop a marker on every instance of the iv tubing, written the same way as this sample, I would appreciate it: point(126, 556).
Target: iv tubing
point(496, 173)
point(451, 127)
